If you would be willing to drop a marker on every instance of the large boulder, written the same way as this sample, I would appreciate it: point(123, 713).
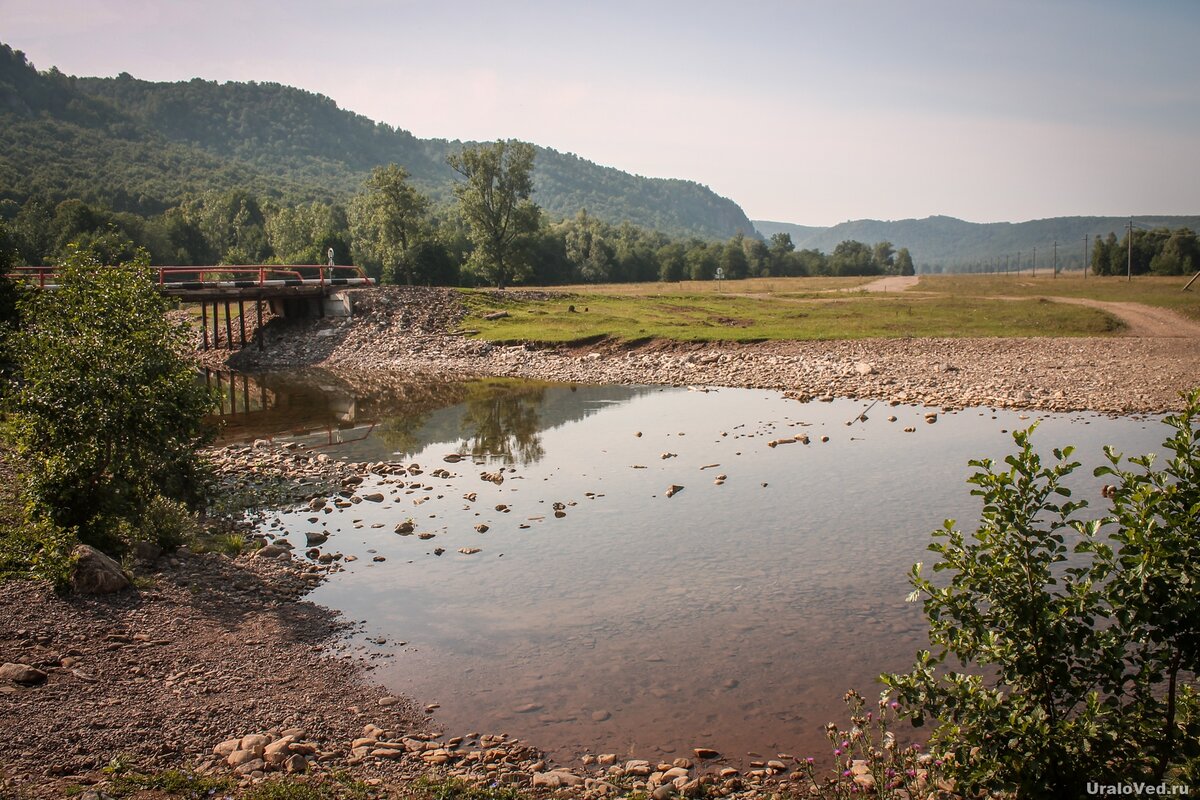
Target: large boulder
point(95, 573)
point(21, 673)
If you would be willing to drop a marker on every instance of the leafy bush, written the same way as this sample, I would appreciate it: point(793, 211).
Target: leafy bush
point(106, 419)
point(1063, 647)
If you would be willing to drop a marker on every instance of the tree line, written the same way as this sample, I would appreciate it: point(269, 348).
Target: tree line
point(493, 234)
point(1160, 251)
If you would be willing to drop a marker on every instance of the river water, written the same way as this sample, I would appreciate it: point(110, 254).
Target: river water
point(732, 615)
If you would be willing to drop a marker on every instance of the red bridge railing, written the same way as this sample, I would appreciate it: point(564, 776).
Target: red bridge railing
point(231, 277)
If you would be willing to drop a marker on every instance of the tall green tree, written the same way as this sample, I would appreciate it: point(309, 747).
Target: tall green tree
point(883, 256)
point(758, 257)
point(586, 248)
point(733, 258)
point(386, 220)
point(494, 199)
point(904, 262)
point(304, 234)
point(8, 303)
point(233, 224)
point(853, 258)
point(672, 262)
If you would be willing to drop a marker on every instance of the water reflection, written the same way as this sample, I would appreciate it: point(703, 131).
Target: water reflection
point(502, 421)
point(370, 416)
point(577, 606)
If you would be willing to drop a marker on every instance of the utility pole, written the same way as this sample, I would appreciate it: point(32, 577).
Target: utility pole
point(1055, 272)
point(1006, 263)
point(1035, 262)
point(1129, 257)
point(1018, 262)
point(1085, 256)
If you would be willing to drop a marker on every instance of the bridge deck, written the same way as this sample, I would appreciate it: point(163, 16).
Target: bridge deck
point(216, 283)
point(278, 285)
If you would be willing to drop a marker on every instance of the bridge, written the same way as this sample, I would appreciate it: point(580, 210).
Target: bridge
point(290, 290)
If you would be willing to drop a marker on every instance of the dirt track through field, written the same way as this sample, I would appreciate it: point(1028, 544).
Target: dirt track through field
point(1140, 320)
point(892, 283)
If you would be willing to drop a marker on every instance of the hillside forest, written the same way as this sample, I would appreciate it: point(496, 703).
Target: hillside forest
point(200, 173)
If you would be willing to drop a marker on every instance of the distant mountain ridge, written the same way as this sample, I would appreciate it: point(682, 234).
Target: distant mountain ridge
point(141, 146)
point(945, 243)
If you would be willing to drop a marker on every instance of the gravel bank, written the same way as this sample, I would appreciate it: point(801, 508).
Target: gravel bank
point(410, 329)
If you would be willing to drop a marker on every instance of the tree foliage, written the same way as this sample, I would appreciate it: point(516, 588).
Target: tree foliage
point(1065, 650)
point(1161, 251)
point(143, 147)
point(107, 417)
point(387, 220)
point(494, 199)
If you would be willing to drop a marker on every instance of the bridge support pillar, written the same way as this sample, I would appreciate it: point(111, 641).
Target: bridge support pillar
point(336, 305)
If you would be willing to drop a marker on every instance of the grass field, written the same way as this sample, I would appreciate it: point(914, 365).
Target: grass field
point(746, 286)
point(712, 316)
point(1165, 292)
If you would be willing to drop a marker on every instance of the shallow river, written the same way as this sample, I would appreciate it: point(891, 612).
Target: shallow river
point(730, 615)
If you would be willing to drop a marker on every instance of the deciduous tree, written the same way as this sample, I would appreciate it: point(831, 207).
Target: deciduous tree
point(494, 198)
point(386, 220)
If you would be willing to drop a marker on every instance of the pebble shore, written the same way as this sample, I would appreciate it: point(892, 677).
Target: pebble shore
point(403, 330)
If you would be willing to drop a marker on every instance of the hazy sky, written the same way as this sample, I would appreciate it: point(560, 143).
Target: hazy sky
point(808, 112)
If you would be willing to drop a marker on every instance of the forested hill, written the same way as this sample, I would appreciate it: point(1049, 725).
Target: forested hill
point(142, 146)
point(948, 244)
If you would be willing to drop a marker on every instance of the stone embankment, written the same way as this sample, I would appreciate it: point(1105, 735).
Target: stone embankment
point(413, 330)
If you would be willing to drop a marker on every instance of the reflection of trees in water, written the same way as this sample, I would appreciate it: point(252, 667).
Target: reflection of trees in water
point(502, 421)
point(401, 433)
point(501, 416)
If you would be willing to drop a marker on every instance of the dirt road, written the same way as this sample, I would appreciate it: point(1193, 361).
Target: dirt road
point(892, 283)
point(1140, 320)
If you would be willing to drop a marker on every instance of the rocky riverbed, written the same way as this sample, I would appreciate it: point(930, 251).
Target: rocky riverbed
point(214, 664)
point(417, 329)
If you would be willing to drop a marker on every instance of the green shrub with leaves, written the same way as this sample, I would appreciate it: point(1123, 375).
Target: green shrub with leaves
point(106, 418)
point(1065, 650)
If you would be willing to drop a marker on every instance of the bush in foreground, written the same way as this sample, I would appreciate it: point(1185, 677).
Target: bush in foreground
point(1065, 650)
point(105, 420)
